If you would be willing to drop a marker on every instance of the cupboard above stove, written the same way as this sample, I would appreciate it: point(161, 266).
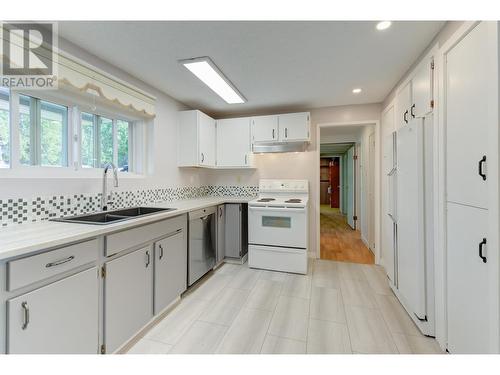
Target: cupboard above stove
point(229, 143)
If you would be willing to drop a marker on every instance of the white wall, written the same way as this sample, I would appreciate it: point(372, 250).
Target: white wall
point(302, 165)
point(163, 149)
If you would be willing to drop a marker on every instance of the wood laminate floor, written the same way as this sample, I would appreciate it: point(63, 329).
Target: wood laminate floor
point(339, 241)
point(338, 307)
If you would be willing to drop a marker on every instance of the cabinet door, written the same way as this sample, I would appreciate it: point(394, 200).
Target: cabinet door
point(221, 233)
point(421, 87)
point(233, 142)
point(60, 318)
point(467, 279)
point(206, 134)
point(467, 117)
point(265, 129)
point(170, 270)
point(128, 296)
point(233, 230)
point(294, 127)
point(403, 104)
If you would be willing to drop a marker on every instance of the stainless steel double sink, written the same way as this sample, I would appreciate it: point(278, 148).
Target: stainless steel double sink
point(108, 217)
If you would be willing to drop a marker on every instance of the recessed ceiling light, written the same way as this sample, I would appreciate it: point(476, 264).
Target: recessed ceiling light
point(210, 75)
point(356, 91)
point(383, 25)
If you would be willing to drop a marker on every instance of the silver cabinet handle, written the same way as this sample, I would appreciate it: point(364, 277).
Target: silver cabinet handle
point(273, 133)
point(220, 211)
point(59, 262)
point(161, 251)
point(26, 315)
point(148, 257)
point(246, 159)
point(202, 157)
point(286, 132)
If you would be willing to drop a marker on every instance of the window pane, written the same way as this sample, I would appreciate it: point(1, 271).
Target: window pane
point(53, 134)
point(4, 129)
point(106, 140)
point(89, 157)
point(122, 130)
point(25, 105)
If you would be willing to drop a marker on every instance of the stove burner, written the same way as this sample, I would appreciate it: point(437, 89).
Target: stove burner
point(294, 200)
point(266, 200)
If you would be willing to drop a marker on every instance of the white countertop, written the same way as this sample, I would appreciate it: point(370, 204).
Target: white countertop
point(21, 239)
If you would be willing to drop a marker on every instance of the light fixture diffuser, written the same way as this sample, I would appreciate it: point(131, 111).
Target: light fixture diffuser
point(211, 75)
point(382, 25)
point(356, 91)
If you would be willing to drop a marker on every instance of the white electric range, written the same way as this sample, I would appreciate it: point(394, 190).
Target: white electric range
point(278, 226)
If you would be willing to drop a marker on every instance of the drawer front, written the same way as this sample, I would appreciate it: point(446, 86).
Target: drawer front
point(128, 238)
point(25, 271)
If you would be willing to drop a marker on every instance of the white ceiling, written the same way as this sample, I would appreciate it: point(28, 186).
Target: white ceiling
point(276, 65)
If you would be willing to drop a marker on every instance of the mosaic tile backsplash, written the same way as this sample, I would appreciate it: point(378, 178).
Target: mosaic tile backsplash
point(22, 210)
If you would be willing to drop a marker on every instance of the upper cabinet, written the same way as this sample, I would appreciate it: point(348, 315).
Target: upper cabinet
point(196, 146)
point(290, 127)
point(233, 143)
point(265, 129)
point(294, 127)
point(415, 98)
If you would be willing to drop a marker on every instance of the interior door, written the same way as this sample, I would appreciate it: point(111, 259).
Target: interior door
point(170, 270)
point(128, 296)
point(350, 187)
point(335, 183)
point(371, 190)
point(388, 207)
point(467, 280)
point(60, 318)
point(467, 118)
point(233, 142)
point(410, 217)
point(294, 126)
point(265, 128)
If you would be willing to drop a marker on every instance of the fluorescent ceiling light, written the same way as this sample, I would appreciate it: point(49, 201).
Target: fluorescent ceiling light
point(210, 75)
point(383, 25)
point(356, 91)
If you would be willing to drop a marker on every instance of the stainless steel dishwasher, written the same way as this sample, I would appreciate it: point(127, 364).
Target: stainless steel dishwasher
point(202, 242)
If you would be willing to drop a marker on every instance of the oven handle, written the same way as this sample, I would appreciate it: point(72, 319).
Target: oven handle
point(277, 209)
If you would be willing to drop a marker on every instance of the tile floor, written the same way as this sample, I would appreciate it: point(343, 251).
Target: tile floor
point(336, 308)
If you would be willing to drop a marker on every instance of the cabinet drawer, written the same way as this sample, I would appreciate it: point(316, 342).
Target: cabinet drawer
point(126, 239)
point(25, 271)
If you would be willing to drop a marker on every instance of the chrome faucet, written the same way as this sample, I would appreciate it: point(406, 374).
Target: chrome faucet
point(104, 197)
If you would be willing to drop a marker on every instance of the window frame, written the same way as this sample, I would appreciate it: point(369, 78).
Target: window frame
point(76, 104)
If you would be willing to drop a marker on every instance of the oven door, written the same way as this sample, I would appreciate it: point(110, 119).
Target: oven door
point(277, 226)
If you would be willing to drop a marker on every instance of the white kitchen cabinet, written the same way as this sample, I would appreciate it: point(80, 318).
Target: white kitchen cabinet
point(170, 273)
point(467, 115)
point(265, 129)
point(294, 127)
point(221, 233)
point(471, 142)
point(236, 232)
point(467, 279)
point(403, 104)
point(128, 296)
point(233, 142)
point(422, 93)
point(60, 318)
point(197, 140)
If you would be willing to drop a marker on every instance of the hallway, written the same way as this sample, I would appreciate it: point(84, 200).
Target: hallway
point(339, 242)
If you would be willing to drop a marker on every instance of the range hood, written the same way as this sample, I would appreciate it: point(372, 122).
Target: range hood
point(275, 147)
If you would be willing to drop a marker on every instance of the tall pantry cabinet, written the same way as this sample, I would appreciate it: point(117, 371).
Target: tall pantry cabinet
point(470, 119)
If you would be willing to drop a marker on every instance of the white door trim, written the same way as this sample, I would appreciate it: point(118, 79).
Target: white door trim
point(316, 203)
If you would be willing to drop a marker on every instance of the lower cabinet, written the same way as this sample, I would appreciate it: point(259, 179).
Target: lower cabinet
point(221, 233)
point(170, 276)
point(60, 318)
point(128, 296)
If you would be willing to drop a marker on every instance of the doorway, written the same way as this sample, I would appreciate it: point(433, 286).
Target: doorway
point(347, 194)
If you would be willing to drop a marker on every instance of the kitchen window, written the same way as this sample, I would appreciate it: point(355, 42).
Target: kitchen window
point(105, 140)
point(43, 132)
